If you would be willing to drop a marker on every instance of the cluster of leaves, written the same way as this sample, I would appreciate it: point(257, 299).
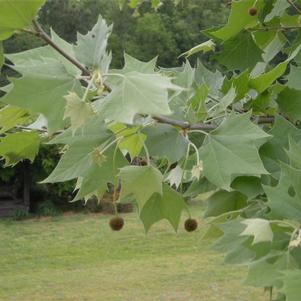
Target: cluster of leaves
point(150, 132)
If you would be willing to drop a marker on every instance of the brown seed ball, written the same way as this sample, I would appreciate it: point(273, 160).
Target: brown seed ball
point(190, 225)
point(253, 11)
point(116, 223)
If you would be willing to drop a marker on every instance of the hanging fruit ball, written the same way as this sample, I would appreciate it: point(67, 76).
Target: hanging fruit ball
point(190, 225)
point(253, 11)
point(116, 223)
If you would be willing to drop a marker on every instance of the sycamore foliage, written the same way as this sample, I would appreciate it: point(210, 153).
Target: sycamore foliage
point(234, 131)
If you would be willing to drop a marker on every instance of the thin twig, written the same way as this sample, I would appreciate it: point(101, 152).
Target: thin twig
point(204, 126)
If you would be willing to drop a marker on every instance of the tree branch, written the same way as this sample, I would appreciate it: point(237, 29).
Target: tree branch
point(205, 126)
point(44, 36)
point(184, 124)
point(294, 6)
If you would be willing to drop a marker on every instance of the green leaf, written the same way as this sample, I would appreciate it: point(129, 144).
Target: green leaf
point(11, 116)
point(267, 271)
point(16, 14)
point(223, 201)
point(240, 53)
point(293, 78)
point(141, 182)
point(224, 102)
point(185, 80)
point(39, 53)
point(259, 228)
point(291, 285)
point(133, 144)
point(96, 178)
point(197, 110)
point(278, 9)
point(213, 80)
point(264, 37)
point(231, 240)
point(169, 206)
point(249, 186)
point(203, 47)
point(23, 58)
point(19, 146)
point(42, 89)
point(198, 187)
point(284, 199)
point(293, 154)
point(289, 101)
point(93, 132)
point(77, 110)
point(241, 249)
point(264, 81)
point(238, 20)
point(68, 48)
point(274, 47)
point(132, 139)
point(263, 102)
point(77, 160)
point(137, 93)
point(274, 150)
point(132, 64)
point(160, 137)
point(74, 163)
point(175, 177)
point(239, 82)
point(235, 140)
point(91, 48)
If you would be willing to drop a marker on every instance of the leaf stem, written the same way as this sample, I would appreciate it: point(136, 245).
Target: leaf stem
point(198, 131)
point(213, 107)
point(114, 74)
point(89, 86)
point(110, 144)
point(284, 223)
point(184, 166)
point(196, 151)
point(114, 201)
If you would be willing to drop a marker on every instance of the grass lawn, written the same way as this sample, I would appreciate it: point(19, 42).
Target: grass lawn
point(78, 257)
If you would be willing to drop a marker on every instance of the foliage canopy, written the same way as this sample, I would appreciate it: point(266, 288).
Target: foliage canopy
point(152, 132)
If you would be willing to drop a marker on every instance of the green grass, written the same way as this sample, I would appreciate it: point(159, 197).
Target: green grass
point(79, 258)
